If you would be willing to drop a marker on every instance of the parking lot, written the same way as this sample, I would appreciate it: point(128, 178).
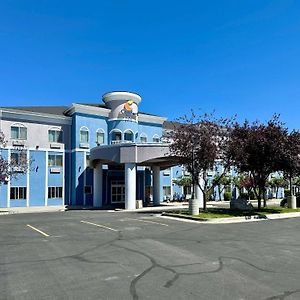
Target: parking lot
point(122, 255)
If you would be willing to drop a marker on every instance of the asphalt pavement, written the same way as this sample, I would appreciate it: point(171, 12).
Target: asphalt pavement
point(121, 255)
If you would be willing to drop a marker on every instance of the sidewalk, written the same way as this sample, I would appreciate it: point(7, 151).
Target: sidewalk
point(37, 209)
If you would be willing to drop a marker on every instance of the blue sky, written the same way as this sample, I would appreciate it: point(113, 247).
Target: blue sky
point(235, 57)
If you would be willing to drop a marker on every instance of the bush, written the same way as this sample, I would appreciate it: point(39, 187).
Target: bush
point(227, 196)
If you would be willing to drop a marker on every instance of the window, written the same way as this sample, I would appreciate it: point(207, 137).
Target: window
point(55, 160)
point(143, 139)
point(55, 192)
point(100, 137)
point(117, 192)
point(116, 137)
point(18, 158)
point(18, 193)
point(55, 136)
point(18, 132)
point(84, 135)
point(88, 189)
point(156, 139)
point(128, 136)
point(166, 191)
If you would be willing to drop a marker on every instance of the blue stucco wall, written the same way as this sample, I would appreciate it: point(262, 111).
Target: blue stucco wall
point(37, 178)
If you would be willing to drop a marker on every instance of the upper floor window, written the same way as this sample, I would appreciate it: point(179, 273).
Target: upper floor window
point(143, 138)
point(84, 135)
point(55, 160)
point(156, 139)
point(55, 136)
point(100, 137)
point(128, 136)
point(116, 137)
point(18, 132)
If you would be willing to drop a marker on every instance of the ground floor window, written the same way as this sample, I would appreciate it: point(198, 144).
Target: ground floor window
point(55, 192)
point(117, 192)
point(18, 193)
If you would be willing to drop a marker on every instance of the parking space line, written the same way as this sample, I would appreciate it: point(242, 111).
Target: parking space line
point(146, 221)
point(39, 231)
point(99, 225)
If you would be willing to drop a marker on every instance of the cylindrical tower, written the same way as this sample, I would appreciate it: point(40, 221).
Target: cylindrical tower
point(123, 105)
point(123, 117)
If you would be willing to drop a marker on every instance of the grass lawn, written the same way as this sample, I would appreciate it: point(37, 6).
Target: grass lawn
point(229, 213)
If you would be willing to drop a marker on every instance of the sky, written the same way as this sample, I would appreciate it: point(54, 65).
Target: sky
point(232, 57)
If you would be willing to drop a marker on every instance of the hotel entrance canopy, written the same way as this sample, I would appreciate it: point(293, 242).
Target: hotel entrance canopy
point(156, 155)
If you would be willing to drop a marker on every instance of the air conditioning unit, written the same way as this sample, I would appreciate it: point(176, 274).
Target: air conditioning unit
point(84, 145)
point(18, 143)
point(55, 146)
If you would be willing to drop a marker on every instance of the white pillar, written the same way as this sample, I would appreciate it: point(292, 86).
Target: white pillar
point(156, 185)
point(130, 186)
point(97, 186)
point(199, 193)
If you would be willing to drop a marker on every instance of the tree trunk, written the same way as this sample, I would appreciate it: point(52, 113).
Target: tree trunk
point(264, 196)
point(204, 200)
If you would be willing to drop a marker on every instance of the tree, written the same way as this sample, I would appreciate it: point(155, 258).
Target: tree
point(184, 181)
point(19, 163)
point(258, 149)
point(221, 182)
point(198, 142)
point(291, 157)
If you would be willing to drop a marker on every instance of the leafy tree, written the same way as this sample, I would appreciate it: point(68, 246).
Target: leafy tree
point(197, 142)
point(19, 163)
point(221, 182)
point(184, 181)
point(291, 157)
point(258, 149)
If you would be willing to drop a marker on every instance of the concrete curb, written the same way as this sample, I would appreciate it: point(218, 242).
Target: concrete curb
point(27, 210)
point(246, 219)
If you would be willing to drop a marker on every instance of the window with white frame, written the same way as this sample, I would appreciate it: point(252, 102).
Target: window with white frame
point(55, 160)
point(143, 138)
point(156, 139)
point(55, 136)
point(100, 137)
point(84, 135)
point(117, 192)
point(128, 136)
point(116, 137)
point(18, 193)
point(18, 158)
point(18, 132)
point(55, 192)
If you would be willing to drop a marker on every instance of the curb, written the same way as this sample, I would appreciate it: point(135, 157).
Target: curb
point(246, 219)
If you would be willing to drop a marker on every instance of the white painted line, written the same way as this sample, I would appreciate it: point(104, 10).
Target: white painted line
point(40, 231)
point(146, 221)
point(99, 225)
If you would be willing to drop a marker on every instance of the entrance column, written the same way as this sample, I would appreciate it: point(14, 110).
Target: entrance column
point(97, 186)
point(130, 186)
point(156, 185)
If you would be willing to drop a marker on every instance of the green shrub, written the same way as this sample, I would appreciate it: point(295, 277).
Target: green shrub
point(227, 196)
